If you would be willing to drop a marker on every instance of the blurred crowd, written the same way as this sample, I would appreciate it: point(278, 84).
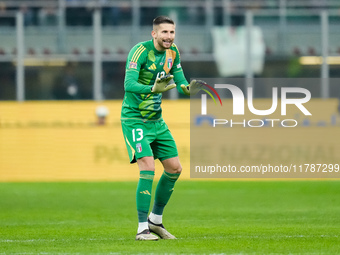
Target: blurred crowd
point(33, 16)
point(79, 12)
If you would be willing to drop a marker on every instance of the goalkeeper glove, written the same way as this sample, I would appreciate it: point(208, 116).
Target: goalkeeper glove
point(193, 87)
point(163, 84)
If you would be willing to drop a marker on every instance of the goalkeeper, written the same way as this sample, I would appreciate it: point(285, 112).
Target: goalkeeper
point(153, 67)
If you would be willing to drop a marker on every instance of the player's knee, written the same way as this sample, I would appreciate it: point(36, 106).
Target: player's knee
point(178, 169)
point(175, 169)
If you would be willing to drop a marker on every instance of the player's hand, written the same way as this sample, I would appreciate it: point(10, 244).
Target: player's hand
point(193, 87)
point(163, 84)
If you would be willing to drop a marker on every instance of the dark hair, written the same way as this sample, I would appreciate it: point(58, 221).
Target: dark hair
point(162, 19)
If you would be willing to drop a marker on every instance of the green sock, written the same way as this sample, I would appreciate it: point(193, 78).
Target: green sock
point(164, 189)
point(143, 194)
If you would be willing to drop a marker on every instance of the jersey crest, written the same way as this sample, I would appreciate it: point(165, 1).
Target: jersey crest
point(139, 147)
point(169, 58)
point(169, 63)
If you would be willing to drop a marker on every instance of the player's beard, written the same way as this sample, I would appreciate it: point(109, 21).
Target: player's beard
point(165, 44)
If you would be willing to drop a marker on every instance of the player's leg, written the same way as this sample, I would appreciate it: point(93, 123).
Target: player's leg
point(143, 196)
point(165, 187)
point(138, 137)
point(164, 148)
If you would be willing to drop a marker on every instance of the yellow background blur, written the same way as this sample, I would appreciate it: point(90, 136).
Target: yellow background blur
point(60, 141)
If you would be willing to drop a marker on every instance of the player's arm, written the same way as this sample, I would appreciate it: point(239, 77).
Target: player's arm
point(131, 84)
point(180, 79)
point(177, 72)
point(186, 88)
point(183, 86)
point(137, 56)
point(161, 84)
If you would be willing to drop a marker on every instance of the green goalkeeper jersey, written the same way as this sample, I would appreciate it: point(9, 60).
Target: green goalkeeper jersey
point(143, 64)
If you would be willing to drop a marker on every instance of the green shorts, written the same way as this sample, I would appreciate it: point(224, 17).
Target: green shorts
point(152, 139)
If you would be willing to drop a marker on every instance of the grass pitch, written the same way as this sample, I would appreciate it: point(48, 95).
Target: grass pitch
point(257, 217)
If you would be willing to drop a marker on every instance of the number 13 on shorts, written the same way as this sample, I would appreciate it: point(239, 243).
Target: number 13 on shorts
point(138, 132)
point(149, 139)
point(137, 137)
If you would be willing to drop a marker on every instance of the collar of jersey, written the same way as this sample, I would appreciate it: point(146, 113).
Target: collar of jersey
point(154, 48)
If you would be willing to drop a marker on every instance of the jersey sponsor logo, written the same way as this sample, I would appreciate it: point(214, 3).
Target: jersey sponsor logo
point(133, 65)
point(169, 63)
point(153, 67)
point(179, 65)
point(139, 147)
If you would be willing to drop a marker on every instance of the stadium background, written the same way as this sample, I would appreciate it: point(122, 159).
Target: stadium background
point(65, 183)
point(61, 59)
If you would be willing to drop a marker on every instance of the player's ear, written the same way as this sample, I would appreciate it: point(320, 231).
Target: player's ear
point(153, 33)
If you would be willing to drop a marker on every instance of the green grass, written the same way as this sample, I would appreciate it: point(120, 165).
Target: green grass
point(258, 217)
